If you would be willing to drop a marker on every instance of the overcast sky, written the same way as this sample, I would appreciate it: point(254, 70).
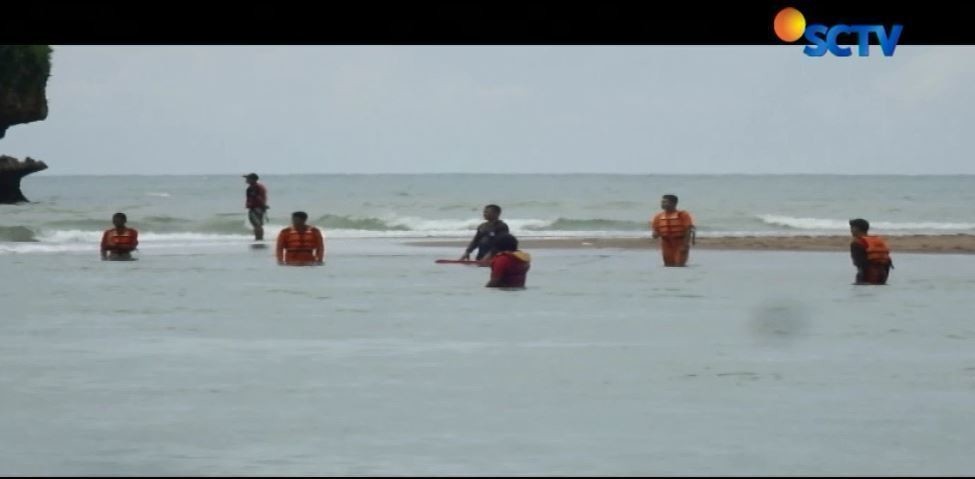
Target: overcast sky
point(559, 109)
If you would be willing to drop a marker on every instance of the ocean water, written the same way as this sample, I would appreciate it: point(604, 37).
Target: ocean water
point(204, 357)
point(68, 213)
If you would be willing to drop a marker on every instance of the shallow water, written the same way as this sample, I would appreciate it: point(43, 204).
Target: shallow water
point(71, 211)
point(213, 360)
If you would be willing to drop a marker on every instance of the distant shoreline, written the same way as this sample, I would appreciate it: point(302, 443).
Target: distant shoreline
point(661, 175)
point(942, 244)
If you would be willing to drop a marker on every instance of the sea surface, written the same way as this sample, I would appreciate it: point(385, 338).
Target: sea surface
point(69, 212)
point(205, 357)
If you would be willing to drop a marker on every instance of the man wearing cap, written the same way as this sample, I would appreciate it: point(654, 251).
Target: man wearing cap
point(256, 205)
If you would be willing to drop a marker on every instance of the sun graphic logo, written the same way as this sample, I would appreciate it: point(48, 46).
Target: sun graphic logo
point(790, 25)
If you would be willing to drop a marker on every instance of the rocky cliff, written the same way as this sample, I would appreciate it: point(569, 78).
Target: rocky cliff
point(24, 70)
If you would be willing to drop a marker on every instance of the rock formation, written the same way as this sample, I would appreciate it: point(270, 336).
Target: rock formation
point(24, 70)
point(11, 171)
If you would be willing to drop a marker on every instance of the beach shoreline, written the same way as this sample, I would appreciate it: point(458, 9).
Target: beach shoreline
point(939, 244)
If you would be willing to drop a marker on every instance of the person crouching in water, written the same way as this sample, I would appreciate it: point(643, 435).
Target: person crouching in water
point(870, 254)
point(300, 244)
point(119, 242)
point(675, 228)
point(509, 266)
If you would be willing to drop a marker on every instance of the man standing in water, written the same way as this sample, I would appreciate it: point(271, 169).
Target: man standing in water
point(870, 254)
point(256, 205)
point(119, 242)
point(484, 238)
point(300, 244)
point(676, 231)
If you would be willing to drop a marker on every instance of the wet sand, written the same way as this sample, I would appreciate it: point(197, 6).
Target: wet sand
point(945, 244)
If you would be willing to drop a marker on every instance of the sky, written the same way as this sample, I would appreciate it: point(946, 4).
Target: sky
point(510, 109)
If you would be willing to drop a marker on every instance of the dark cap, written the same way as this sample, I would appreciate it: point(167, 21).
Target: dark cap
point(251, 175)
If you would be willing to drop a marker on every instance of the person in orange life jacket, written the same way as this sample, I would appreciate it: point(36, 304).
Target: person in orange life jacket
point(509, 266)
point(300, 244)
point(675, 229)
point(120, 241)
point(484, 238)
point(870, 254)
point(256, 204)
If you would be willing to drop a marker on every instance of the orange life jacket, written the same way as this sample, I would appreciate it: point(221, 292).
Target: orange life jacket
point(127, 240)
point(877, 250)
point(674, 224)
point(299, 246)
point(510, 268)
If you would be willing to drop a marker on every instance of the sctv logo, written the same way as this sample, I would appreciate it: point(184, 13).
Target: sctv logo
point(790, 25)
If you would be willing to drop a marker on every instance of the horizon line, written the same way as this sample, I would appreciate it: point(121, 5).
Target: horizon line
point(500, 174)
